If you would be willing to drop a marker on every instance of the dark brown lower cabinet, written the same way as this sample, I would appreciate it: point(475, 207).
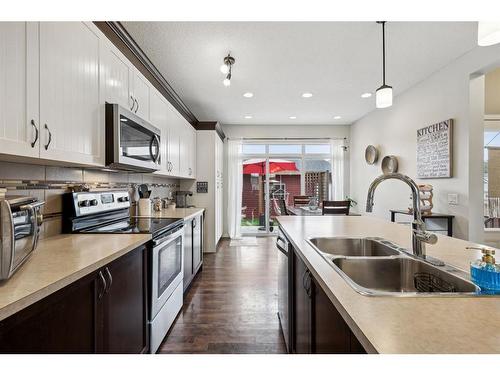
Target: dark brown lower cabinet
point(302, 306)
point(61, 323)
point(104, 312)
point(123, 309)
point(318, 326)
point(193, 249)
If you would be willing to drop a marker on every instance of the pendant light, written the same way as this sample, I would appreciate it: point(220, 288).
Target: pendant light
point(383, 95)
point(488, 33)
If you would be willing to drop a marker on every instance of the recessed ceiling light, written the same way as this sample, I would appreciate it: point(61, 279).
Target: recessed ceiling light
point(366, 95)
point(307, 95)
point(248, 95)
point(337, 117)
point(292, 117)
point(248, 117)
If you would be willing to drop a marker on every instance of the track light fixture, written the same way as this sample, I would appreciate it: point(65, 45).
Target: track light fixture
point(226, 68)
point(383, 95)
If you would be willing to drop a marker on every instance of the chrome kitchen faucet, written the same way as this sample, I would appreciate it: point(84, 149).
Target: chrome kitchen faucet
point(419, 235)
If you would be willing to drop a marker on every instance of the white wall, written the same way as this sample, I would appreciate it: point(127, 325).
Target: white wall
point(448, 93)
point(282, 131)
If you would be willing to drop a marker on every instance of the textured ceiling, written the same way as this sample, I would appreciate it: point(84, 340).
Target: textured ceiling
point(278, 61)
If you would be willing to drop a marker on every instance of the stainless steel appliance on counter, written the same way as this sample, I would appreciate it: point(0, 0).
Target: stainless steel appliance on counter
point(181, 198)
point(131, 142)
point(20, 222)
point(284, 288)
point(108, 212)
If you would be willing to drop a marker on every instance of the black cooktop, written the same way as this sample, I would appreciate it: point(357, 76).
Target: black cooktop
point(150, 225)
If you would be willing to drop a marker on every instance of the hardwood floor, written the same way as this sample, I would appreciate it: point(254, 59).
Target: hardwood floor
point(232, 304)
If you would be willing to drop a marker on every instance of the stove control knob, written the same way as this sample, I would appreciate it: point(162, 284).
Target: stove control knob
point(122, 199)
point(93, 202)
point(85, 203)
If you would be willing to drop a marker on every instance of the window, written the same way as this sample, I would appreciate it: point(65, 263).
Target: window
point(318, 149)
point(285, 149)
point(251, 148)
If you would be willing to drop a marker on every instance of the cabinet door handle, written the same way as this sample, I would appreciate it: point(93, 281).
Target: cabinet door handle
point(50, 137)
point(133, 103)
point(36, 133)
point(136, 108)
point(309, 281)
point(306, 282)
point(104, 285)
point(194, 223)
point(110, 279)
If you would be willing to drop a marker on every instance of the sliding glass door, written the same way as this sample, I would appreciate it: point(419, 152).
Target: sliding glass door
point(275, 175)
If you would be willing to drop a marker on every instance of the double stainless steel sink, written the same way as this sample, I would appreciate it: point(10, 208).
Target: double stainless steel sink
point(376, 267)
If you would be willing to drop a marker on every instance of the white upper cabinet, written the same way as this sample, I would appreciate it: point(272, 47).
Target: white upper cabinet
point(193, 152)
point(178, 138)
point(55, 78)
point(19, 121)
point(140, 90)
point(184, 148)
point(174, 137)
point(187, 148)
point(115, 76)
point(158, 116)
point(71, 126)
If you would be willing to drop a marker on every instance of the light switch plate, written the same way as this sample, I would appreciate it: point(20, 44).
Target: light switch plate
point(453, 199)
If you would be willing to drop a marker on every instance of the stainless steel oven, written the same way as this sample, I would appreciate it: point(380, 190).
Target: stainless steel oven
point(20, 222)
point(131, 142)
point(167, 283)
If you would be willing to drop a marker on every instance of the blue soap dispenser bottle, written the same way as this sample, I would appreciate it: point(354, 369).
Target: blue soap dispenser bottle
point(484, 272)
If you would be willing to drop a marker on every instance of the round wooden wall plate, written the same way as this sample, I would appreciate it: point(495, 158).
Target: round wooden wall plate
point(389, 164)
point(371, 154)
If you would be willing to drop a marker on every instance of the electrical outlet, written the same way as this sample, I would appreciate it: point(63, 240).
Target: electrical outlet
point(453, 199)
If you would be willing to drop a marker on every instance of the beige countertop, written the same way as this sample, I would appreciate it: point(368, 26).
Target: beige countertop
point(178, 213)
point(59, 261)
point(400, 324)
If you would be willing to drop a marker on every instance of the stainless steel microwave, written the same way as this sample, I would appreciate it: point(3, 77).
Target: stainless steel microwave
point(132, 143)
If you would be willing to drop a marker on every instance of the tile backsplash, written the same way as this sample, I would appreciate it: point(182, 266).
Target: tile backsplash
point(48, 183)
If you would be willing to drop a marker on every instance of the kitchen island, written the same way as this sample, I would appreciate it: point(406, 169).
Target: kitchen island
point(399, 324)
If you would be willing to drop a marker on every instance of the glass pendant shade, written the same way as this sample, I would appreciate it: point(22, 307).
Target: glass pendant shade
point(227, 82)
point(224, 68)
point(383, 96)
point(488, 33)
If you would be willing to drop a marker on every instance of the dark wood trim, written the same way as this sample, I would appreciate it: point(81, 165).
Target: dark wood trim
point(211, 125)
point(119, 36)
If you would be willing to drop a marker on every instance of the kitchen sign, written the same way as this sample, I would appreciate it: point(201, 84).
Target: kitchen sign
point(434, 150)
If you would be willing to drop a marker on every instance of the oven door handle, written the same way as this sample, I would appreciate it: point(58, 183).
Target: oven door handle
point(169, 237)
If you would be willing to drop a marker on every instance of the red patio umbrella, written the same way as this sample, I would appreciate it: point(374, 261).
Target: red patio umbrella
point(258, 166)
